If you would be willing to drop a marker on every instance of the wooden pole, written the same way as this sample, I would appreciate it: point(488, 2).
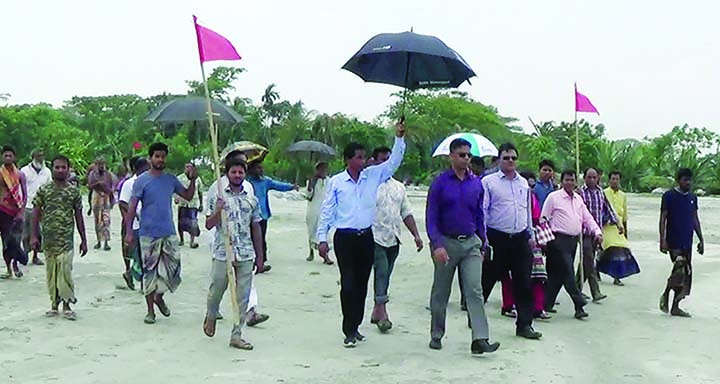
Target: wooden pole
point(581, 271)
point(229, 252)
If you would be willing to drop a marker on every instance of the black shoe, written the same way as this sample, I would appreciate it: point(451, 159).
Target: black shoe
point(359, 337)
point(435, 344)
point(480, 346)
point(599, 298)
point(349, 342)
point(528, 333)
point(580, 314)
point(551, 310)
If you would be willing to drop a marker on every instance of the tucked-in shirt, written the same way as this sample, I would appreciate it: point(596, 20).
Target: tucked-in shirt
point(34, 180)
point(156, 193)
point(454, 207)
point(542, 190)
point(57, 207)
point(262, 186)
point(618, 202)
point(506, 203)
point(195, 202)
point(242, 210)
point(126, 196)
point(568, 214)
point(598, 207)
point(681, 210)
point(393, 207)
point(352, 205)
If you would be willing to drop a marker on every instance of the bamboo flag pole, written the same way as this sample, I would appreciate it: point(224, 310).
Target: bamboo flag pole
point(581, 271)
point(229, 252)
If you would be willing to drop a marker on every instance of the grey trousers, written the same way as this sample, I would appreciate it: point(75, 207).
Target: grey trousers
point(218, 285)
point(466, 255)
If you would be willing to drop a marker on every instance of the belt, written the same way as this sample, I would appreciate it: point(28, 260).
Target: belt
point(352, 231)
point(459, 237)
point(524, 234)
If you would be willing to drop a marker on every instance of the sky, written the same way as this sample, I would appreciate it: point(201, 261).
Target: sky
point(646, 65)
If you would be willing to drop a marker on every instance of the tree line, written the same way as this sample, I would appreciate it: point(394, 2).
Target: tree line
point(112, 126)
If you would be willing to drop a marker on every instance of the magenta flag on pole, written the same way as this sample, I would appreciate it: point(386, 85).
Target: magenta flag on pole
point(583, 104)
point(213, 46)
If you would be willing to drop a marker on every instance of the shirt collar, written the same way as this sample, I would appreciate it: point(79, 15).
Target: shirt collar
point(347, 176)
point(242, 189)
point(515, 175)
point(450, 173)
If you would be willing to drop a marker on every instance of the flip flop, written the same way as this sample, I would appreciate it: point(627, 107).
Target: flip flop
point(70, 315)
point(18, 272)
point(328, 262)
point(194, 246)
point(384, 325)
point(211, 331)
point(6, 276)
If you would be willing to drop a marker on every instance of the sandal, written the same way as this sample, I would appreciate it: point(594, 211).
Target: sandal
point(52, 313)
point(194, 246)
point(384, 325)
point(129, 281)
point(149, 318)
point(258, 319)
point(18, 272)
point(241, 344)
point(209, 326)
point(70, 315)
point(163, 307)
point(328, 262)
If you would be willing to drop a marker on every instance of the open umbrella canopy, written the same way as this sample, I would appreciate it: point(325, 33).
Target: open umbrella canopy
point(192, 108)
point(409, 60)
point(479, 145)
point(251, 150)
point(312, 147)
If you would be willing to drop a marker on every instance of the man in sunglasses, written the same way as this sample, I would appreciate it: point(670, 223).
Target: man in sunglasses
point(455, 225)
point(508, 219)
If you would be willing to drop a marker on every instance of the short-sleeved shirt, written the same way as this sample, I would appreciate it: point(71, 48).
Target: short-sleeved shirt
point(156, 193)
point(242, 210)
point(126, 196)
point(195, 202)
point(57, 207)
point(681, 208)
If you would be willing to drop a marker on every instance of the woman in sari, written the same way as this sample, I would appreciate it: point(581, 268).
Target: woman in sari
point(616, 259)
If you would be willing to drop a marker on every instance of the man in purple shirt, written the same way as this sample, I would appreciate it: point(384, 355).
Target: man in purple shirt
point(508, 217)
point(454, 220)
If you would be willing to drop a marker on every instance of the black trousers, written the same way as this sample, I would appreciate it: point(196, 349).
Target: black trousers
point(355, 252)
point(263, 229)
point(560, 257)
point(511, 252)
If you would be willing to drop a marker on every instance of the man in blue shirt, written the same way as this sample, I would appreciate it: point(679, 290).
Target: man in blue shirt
point(262, 185)
point(678, 220)
point(349, 206)
point(546, 182)
point(158, 241)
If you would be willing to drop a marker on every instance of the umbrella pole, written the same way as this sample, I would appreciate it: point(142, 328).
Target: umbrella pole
point(225, 228)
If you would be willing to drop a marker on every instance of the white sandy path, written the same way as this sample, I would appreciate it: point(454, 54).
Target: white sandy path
point(625, 340)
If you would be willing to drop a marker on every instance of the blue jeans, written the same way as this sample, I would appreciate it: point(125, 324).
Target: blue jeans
point(384, 262)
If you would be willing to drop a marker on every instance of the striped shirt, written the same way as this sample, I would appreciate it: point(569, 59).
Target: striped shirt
point(598, 207)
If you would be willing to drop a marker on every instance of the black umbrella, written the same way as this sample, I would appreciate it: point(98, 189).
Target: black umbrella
point(192, 108)
point(312, 147)
point(411, 61)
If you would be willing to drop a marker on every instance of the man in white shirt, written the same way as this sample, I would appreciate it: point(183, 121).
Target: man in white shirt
point(393, 208)
point(350, 207)
point(131, 252)
point(36, 174)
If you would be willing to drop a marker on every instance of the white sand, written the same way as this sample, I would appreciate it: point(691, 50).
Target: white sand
point(625, 340)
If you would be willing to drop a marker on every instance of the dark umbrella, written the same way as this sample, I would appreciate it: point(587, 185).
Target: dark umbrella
point(411, 61)
point(192, 108)
point(312, 147)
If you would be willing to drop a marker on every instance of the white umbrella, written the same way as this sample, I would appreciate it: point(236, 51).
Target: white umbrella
point(480, 145)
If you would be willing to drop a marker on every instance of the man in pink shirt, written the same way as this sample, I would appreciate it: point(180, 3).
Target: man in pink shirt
point(567, 214)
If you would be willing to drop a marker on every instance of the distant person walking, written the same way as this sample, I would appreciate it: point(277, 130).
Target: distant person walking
point(36, 174)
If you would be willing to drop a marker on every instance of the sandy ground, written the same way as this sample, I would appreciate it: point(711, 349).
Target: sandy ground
point(626, 338)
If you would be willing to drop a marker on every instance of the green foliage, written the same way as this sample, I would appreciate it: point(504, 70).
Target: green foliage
point(87, 127)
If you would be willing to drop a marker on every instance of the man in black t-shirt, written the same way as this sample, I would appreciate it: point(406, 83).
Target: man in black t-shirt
point(678, 221)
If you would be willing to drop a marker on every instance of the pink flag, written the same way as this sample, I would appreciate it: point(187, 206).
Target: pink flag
point(212, 46)
point(583, 104)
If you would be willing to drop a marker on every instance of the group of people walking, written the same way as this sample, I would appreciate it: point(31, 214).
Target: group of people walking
point(497, 225)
